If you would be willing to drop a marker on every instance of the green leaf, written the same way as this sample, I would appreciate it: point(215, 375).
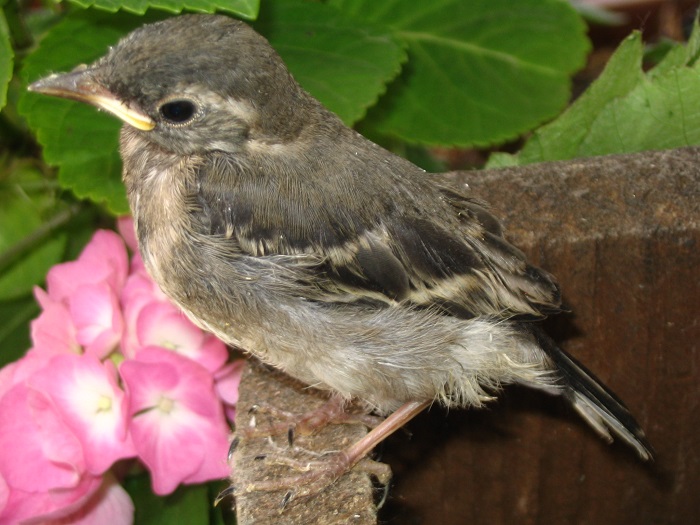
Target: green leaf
point(83, 143)
point(14, 334)
point(247, 9)
point(6, 59)
point(479, 72)
point(344, 64)
point(188, 504)
point(22, 212)
point(561, 139)
point(625, 110)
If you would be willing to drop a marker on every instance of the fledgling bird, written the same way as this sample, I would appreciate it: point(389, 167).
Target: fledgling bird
point(289, 235)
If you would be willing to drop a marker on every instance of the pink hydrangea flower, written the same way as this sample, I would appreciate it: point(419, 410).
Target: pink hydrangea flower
point(53, 331)
point(87, 290)
point(163, 324)
point(41, 461)
point(115, 372)
point(51, 506)
point(110, 504)
point(104, 260)
point(85, 393)
point(178, 423)
point(226, 383)
point(97, 316)
point(139, 291)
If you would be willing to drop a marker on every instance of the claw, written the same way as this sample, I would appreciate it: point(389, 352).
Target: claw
point(287, 498)
point(385, 496)
point(228, 491)
point(233, 446)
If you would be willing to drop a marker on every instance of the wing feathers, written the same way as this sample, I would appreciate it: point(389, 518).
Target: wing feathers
point(452, 257)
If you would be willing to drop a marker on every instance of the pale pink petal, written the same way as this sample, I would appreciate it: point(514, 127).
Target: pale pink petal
point(17, 371)
point(36, 507)
point(42, 297)
point(213, 353)
point(86, 394)
point(53, 331)
point(125, 227)
point(4, 496)
point(139, 291)
point(104, 259)
point(178, 424)
point(164, 325)
point(37, 450)
point(227, 380)
point(137, 263)
point(96, 313)
point(109, 505)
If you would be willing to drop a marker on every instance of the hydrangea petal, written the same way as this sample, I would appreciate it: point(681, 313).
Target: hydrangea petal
point(139, 291)
point(165, 325)
point(178, 424)
point(37, 450)
point(125, 227)
point(29, 507)
point(86, 394)
point(227, 381)
point(104, 259)
point(110, 504)
point(53, 331)
point(96, 313)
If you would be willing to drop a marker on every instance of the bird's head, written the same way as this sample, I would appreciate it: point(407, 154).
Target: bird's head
point(192, 83)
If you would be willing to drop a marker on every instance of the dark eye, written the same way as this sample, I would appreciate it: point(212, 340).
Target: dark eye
point(178, 111)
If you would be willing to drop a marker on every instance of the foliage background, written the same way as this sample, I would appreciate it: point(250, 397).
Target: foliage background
point(410, 75)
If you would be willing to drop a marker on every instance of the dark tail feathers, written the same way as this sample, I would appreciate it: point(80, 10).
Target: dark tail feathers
point(600, 407)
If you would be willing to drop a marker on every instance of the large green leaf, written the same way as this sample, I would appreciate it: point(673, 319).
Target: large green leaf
point(81, 141)
point(23, 208)
point(625, 110)
point(344, 64)
point(14, 332)
point(479, 72)
point(6, 59)
point(247, 9)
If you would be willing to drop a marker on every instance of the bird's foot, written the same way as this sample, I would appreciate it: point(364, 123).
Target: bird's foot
point(323, 469)
point(334, 411)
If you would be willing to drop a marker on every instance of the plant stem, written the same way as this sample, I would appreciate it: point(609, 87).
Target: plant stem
point(38, 235)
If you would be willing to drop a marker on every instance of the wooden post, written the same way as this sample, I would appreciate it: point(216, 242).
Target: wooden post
point(348, 501)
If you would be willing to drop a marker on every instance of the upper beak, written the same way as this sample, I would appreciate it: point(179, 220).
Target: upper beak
point(81, 85)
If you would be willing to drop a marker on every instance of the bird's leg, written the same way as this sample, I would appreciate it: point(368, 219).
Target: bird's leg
point(332, 411)
point(318, 474)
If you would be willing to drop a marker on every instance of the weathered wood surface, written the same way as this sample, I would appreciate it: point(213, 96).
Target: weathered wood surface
point(622, 236)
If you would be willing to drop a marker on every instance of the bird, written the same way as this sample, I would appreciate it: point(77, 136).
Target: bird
point(289, 235)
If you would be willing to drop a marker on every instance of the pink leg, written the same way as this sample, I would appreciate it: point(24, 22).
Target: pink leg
point(319, 474)
point(332, 411)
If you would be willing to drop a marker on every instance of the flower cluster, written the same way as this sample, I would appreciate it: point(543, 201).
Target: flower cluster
point(115, 372)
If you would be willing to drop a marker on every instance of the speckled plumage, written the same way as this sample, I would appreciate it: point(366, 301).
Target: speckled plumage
point(293, 237)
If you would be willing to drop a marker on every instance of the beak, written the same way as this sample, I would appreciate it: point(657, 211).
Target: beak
point(81, 85)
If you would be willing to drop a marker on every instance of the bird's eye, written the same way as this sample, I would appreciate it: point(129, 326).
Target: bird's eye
point(178, 111)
